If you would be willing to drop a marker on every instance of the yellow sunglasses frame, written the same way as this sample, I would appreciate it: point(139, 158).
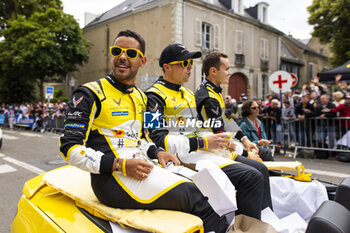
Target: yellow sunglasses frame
point(124, 50)
point(182, 62)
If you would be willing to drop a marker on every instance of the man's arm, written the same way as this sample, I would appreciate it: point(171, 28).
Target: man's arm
point(210, 109)
point(161, 137)
point(80, 115)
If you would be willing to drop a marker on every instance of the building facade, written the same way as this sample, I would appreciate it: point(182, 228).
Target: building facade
point(302, 60)
point(244, 35)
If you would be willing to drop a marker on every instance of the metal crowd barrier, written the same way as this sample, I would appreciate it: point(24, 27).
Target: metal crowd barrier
point(319, 134)
point(48, 123)
point(57, 124)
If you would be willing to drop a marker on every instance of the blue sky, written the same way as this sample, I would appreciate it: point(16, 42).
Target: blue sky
point(289, 16)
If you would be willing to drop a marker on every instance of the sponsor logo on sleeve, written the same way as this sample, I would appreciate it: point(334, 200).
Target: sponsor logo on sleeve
point(76, 102)
point(74, 115)
point(75, 125)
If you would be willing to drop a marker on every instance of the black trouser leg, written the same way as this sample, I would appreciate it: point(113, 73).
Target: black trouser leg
point(265, 154)
point(249, 183)
point(266, 202)
point(185, 197)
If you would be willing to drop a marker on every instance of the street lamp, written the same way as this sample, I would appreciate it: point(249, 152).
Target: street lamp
point(72, 84)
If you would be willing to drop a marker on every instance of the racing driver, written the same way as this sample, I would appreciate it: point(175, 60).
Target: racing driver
point(102, 135)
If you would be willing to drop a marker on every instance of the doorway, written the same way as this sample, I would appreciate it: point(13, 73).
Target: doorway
point(237, 85)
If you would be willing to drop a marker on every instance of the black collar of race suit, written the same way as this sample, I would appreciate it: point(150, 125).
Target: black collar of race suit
point(126, 89)
point(208, 83)
point(168, 84)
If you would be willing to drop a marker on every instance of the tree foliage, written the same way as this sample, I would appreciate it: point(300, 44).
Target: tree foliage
point(331, 20)
point(12, 9)
point(42, 46)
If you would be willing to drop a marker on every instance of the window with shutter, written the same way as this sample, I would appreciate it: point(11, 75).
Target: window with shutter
point(198, 32)
point(239, 42)
point(206, 35)
point(264, 49)
point(216, 36)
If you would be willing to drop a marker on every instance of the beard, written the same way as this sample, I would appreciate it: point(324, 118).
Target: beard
point(126, 74)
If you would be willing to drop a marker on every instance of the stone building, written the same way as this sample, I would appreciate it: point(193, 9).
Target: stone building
point(299, 58)
point(201, 25)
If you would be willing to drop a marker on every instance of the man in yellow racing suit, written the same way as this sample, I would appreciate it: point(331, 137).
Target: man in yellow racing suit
point(210, 105)
point(177, 105)
point(102, 135)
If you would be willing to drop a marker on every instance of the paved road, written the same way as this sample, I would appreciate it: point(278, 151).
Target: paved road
point(25, 154)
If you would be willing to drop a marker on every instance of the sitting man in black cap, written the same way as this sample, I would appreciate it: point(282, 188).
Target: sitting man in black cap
point(179, 129)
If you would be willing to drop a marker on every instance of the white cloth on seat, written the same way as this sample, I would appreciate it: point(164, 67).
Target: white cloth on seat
point(289, 196)
point(345, 140)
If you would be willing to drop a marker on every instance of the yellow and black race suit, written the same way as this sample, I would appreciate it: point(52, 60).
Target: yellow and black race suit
point(177, 104)
point(210, 105)
point(104, 121)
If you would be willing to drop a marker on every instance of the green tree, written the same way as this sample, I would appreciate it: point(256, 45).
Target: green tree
point(12, 9)
point(42, 46)
point(331, 20)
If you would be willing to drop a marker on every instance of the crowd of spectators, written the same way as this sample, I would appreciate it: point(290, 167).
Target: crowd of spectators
point(310, 117)
point(41, 116)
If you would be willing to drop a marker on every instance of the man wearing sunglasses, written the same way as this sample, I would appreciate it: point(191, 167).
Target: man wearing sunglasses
point(177, 104)
point(211, 105)
point(103, 136)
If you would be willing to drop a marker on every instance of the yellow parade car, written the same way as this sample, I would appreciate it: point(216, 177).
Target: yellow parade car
point(62, 200)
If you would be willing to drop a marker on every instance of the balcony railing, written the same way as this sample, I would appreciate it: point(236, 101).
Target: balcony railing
point(264, 65)
point(239, 60)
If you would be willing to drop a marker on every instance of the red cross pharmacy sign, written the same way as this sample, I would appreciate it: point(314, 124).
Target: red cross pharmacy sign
point(280, 81)
point(294, 78)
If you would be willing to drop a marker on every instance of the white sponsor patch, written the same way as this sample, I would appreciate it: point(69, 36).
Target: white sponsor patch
point(4, 168)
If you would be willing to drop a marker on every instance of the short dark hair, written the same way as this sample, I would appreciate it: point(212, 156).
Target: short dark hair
point(136, 36)
point(246, 108)
point(212, 60)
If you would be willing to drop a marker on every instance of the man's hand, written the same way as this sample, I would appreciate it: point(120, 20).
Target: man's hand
point(338, 77)
point(249, 145)
point(325, 110)
point(218, 141)
point(316, 79)
point(231, 146)
point(165, 157)
point(138, 168)
point(264, 142)
point(255, 157)
point(306, 110)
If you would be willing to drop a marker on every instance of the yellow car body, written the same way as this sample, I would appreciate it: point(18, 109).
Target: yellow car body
point(44, 209)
